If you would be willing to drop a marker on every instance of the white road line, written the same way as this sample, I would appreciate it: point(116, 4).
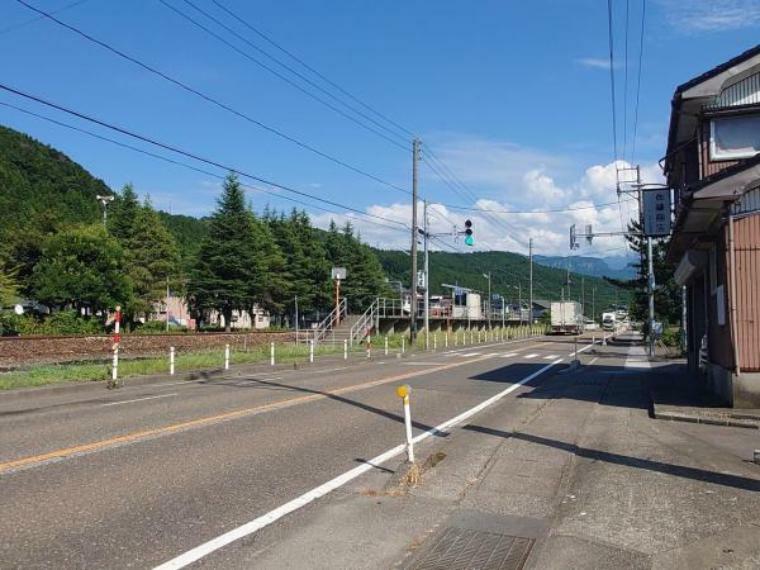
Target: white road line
point(265, 520)
point(422, 363)
point(139, 399)
point(593, 360)
point(509, 355)
point(551, 356)
point(469, 354)
point(530, 356)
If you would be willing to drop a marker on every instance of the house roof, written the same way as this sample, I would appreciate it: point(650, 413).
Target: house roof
point(718, 69)
point(697, 91)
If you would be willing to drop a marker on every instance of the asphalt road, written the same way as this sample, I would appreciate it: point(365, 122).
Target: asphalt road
point(136, 477)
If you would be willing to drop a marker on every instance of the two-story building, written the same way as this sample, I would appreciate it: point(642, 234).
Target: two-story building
point(713, 166)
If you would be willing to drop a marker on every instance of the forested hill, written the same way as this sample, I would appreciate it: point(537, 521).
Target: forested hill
point(42, 187)
point(509, 273)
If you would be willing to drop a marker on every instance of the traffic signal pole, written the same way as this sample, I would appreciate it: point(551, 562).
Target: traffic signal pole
point(413, 303)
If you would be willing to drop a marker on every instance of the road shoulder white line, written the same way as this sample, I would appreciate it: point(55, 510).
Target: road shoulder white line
point(119, 403)
point(265, 520)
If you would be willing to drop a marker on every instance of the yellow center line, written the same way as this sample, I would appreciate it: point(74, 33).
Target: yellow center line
point(217, 418)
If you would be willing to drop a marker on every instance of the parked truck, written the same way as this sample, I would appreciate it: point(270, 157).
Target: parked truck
point(567, 317)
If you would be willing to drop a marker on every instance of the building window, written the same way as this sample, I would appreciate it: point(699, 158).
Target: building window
point(734, 137)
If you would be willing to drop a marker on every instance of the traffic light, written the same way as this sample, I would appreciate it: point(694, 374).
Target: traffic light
point(468, 239)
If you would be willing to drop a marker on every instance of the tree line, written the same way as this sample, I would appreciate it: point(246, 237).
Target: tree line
point(243, 260)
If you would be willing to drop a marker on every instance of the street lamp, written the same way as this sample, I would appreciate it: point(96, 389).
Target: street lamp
point(104, 200)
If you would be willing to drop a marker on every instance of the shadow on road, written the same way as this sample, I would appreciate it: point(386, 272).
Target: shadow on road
point(696, 474)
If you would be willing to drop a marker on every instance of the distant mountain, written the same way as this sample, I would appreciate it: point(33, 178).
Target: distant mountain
point(618, 267)
point(510, 276)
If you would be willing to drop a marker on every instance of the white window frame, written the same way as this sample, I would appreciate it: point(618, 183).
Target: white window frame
point(715, 154)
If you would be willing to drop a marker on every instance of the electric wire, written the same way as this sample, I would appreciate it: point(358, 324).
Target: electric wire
point(188, 154)
point(324, 78)
point(210, 99)
point(25, 23)
point(625, 81)
point(612, 78)
point(189, 166)
point(275, 72)
point(638, 80)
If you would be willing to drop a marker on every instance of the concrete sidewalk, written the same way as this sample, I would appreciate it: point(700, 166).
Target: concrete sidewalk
point(571, 474)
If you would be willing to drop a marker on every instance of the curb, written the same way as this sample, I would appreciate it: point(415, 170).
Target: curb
point(728, 422)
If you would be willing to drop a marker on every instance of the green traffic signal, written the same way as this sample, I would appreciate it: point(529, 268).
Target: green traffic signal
point(469, 240)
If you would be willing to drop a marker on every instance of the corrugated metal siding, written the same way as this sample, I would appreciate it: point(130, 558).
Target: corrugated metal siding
point(747, 247)
point(749, 202)
point(745, 92)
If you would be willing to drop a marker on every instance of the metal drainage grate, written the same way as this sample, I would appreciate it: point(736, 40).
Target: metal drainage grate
point(466, 549)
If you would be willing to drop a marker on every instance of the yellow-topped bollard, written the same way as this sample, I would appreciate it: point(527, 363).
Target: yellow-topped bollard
point(403, 391)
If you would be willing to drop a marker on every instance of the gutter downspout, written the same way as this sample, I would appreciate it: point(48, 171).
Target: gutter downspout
point(734, 326)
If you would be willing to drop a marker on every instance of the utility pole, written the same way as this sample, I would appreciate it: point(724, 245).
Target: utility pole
point(296, 308)
point(427, 273)
point(593, 304)
point(413, 304)
point(651, 296)
point(488, 306)
point(583, 295)
point(530, 255)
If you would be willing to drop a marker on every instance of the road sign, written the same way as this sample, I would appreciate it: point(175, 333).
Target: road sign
point(657, 212)
point(339, 273)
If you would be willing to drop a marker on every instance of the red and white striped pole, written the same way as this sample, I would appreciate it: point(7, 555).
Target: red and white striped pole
point(116, 341)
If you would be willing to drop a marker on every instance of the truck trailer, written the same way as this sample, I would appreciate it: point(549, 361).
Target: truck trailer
point(567, 317)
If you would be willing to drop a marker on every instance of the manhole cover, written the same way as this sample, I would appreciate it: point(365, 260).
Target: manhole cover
point(466, 549)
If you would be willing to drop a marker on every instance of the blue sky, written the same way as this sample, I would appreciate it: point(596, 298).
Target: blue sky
point(513, 96)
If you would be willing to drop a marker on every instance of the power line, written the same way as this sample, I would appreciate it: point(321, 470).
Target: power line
point(25, 23)
point(612, 77)
point(311, 69)
point(638, 80)
point(186, 165)
point(188, 154)
point(625, 84)
point(210, 99)
point(529, 212)
point(277, 73)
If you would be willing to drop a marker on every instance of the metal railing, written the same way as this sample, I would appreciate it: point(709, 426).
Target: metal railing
point(363, 326)
point(338, 314)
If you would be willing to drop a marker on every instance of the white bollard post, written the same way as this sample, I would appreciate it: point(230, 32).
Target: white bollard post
point(311, 350)
point(116, 342)
point(435, 342)
point(386, 345)
point(369, 346)
point(345, 349)
point(226, 356)
point(446, 339)
point(271, 354)
point(403, 344)
point(171, 361)
point(403, 392)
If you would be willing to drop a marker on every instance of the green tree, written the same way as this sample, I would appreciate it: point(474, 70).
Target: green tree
point(82, 267)
point(151, 255)
point(365, 279)
point(308, 271)
point(230, 271)
point(667, 295)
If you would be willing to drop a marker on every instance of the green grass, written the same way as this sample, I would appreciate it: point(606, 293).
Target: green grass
point(46, 374)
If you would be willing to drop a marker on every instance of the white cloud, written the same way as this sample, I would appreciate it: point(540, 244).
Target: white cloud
point(595, 62)
point(692, 16)
point(501, 228)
